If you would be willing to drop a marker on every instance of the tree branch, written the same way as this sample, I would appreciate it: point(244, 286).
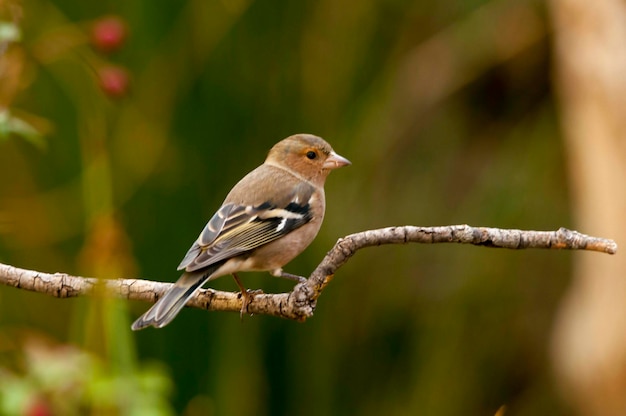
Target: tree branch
point(300, 303)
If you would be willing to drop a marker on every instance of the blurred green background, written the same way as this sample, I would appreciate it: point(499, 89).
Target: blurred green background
point(445, 109)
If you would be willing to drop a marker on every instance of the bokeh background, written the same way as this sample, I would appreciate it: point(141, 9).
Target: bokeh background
point(114, 151)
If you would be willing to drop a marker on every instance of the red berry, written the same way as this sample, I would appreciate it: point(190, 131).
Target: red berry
point(38, 407)
point(108, 33)
point(114, 81)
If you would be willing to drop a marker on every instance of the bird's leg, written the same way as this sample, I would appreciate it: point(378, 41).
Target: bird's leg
point(285, 275)
point(246, 296)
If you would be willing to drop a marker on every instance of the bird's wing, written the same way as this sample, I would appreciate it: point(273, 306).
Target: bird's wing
point(236, 229)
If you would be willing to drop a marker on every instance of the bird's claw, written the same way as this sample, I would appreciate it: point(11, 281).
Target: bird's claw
point(247, 296)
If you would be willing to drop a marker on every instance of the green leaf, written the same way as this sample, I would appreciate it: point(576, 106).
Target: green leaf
point(10, 124)
point(9, 32)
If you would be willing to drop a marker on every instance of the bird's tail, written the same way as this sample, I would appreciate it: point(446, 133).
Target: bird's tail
point(166, 309)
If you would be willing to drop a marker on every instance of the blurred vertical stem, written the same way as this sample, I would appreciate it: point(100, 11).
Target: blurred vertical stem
point(106, 251)
point(590, 336)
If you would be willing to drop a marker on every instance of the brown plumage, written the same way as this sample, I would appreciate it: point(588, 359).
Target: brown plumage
point(268, 218)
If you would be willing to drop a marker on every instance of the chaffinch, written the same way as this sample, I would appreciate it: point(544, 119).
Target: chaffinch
point(267, 219)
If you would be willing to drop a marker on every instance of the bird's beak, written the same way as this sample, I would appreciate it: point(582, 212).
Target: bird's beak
point(335, 161)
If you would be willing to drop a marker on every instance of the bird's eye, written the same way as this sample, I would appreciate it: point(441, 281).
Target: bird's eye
point(311, 154)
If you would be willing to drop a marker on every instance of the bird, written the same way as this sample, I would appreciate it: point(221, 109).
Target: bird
point(267, 219)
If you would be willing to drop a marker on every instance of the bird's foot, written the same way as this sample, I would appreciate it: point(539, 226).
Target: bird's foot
point(285, 275)
point(247, 296)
